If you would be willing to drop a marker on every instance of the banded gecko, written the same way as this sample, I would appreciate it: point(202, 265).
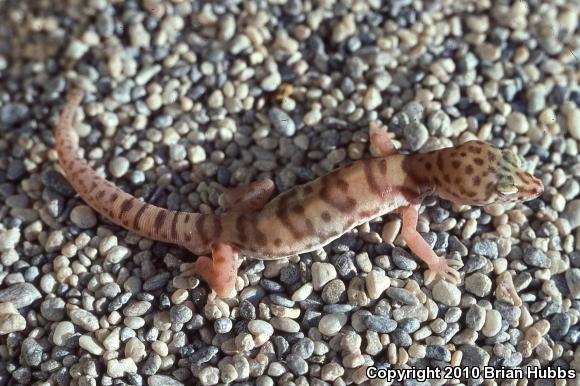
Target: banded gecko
point(312, 215)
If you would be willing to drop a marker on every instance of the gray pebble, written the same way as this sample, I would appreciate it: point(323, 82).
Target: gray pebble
point(53, 309)
point(30, 352)
point(437, 352)
point(296, 364)
point(559, 326)
point(180, 313)
point(478, 284)
point(12, 114)
point(163, 380)
point(485, 247)
point(156, 282)
point(474, 356)
point(402, 295)
point(536, 258)
point(20, 295)
point(403, 260)
point(282, 122)
point(380, 324)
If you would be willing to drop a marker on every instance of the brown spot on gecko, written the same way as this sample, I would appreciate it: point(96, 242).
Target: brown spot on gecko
point(159, 219)
point(428, 166)
point(342, 185)
point(440, 160)
point(282, 214)
point(366, 213)
point(187, 218)
point(309, 226)
point(344, 204)
point(138, 215)
point(469, 170)
point(383, 166)
point(240, 228)
point(100, 194)
point(478, 161)
point(297, 209)
point(476, 181)
point(126, 206)
point(474, 149)
point(325, 216)
point(370, 178)
point(114, 197)
point(174, 226)
point(491, 156)
point(447, 178)
point(457, 181)
point(456, 164)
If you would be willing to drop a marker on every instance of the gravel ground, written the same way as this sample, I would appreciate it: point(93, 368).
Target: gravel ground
point(185, 97)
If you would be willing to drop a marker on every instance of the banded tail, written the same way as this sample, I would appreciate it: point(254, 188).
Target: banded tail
point(193, 231)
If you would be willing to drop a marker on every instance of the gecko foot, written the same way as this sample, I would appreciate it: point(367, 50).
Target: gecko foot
point(445, 269)
point(381, 140)
point(220, 271)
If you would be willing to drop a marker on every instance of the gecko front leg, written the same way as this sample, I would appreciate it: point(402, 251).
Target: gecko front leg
point(438, 266)
point(381, 140)
point(220, 271)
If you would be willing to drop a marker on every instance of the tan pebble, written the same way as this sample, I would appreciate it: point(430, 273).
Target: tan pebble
point(391, 230)
point(505, 290)
point(533, 337)
point(392, 353)
point(456, 358)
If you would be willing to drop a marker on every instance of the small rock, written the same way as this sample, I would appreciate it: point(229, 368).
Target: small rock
point(446, 293)
point(9, 239)
point(492, 324)
point(30, 352)
point(83, 217)
point(331, 324)
point(478, 284)
point(119, 166)
point(163, 380)
point(380, 324)
point(84, 319)
point(377, 282)
point(322, 273)
point(282, 122)
point(62, 332)
point(536, 258)
point(119, 368)
point(20, 295)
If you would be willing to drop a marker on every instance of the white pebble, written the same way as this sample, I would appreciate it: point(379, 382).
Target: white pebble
point(83, 217)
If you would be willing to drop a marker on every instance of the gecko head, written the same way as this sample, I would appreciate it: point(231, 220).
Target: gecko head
point(477, 173)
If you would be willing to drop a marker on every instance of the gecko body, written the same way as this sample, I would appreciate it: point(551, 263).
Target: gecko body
point(312, 215)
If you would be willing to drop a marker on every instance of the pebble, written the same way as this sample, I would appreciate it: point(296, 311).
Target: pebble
point(322, 273)
point(62, 332)
point(492, 325)
point(9, 239)
point(572, 213)
point(446, 293)
point(20, 295)
point(119, 166)
point(84, 319)
point(331, 324)
point(377, 282)
point(536, 258)
point(163, 380)
point(119, 368)
point(10, 319)
point(30, 352)
point(282, 122)
point(83, 217)
point(478, 284)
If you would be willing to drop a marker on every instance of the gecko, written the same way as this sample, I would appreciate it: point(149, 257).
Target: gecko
point(309, 216)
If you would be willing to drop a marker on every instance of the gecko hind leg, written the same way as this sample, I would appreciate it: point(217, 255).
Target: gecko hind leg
point(252, 196)
point(438, 266)
point(220, 271)
point(381, 140)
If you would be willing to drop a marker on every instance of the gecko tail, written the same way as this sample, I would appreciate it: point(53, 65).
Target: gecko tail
point(194, 231)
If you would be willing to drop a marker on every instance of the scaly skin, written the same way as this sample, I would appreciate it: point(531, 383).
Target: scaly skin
point(310, 216)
